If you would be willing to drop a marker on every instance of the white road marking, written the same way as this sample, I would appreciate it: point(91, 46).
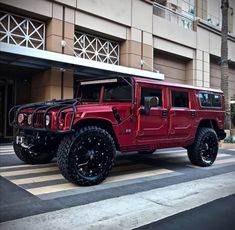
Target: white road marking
point(232, 150)
point(18, 167)
point(7, 153)
point(132, 211)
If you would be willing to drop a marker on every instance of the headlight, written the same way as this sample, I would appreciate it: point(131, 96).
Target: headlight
point(30, 119)
point(48, 119)
point(20, 118)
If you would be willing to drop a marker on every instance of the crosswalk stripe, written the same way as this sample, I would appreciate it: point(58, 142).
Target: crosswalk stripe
point(216, 163)
point(18, 167)
point(7, 153)
point(232, 150)
point(52, 188)
point(136, 175)
point(110, 179)
point(6, 150)
point(30, 179)
point(28, 171)
point(223, 161)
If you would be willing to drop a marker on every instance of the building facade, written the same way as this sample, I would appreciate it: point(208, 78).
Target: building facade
point(179, 38)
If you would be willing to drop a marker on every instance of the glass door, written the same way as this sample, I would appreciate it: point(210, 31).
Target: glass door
point(7, 100)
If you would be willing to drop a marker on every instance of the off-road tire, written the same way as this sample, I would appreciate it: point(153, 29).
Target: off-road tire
point(81, 160)
point(203, 151)
point(29, 157)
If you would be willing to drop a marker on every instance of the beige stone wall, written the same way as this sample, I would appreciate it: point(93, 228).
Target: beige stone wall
point(174, 67)
point(47, 85)
point(215, 74)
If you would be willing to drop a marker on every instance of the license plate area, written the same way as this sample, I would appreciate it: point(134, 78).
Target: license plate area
point(19, 139)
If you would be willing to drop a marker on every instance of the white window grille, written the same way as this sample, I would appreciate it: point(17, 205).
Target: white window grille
point(95, 48)
point(18, 30)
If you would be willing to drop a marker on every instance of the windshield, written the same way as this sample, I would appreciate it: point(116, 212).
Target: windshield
point(119, 91)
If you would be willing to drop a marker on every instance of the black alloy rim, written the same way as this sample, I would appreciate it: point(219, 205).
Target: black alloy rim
point(209, 149)
point(91, 156)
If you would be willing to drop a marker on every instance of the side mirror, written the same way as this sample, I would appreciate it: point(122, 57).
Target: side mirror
point(149, 102)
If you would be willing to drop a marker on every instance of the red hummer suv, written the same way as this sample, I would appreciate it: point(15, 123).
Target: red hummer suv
point(118, 114)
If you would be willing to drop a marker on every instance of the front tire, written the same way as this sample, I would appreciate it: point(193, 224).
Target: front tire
point(37, 156)
point(203, 151)
point(86, 157)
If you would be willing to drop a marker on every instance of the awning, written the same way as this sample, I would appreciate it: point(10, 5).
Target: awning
point(41, 59)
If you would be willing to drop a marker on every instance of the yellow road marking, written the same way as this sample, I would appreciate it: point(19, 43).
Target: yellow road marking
point(52, 188)
point(30, 179)
point(37, 179)
point(136, 175)
point(28, 171)
point(111, 179)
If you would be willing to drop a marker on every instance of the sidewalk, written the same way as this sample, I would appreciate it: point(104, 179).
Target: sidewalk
point(227, 145)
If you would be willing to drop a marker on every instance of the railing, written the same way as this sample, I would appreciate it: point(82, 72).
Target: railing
point(95, 48)
point(22, 31)
point(173, 16)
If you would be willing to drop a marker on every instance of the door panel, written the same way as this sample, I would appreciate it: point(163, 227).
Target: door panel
point(180, 122)
point(154, 125)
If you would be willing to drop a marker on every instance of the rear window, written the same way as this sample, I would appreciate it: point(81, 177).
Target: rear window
point(210, 100)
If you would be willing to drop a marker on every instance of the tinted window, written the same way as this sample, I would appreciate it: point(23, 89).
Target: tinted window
point(210, 100)
point(179, 99)
point(89, 93)
point(117, 92)
point(151, 92)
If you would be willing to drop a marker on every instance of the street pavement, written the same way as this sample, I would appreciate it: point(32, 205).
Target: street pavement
point(158, 191)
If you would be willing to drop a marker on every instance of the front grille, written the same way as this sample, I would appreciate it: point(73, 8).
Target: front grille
point(38, 120)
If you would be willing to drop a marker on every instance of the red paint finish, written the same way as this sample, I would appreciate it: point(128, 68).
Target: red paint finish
point(166, 125)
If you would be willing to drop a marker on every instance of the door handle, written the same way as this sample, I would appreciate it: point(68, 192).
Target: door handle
point(164, 113)
point(193, 113)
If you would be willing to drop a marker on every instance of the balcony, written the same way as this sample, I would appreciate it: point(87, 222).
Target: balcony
point(177, 16)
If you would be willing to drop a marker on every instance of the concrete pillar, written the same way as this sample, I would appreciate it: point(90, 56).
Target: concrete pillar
point(54, 35)
point(48, 85)
point(54, 84)
point(138, 46)
point(201, 9)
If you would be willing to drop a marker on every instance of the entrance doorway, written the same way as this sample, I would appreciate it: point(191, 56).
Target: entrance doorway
point(7, 100)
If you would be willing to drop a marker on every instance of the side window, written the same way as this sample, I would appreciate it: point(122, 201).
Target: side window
point(205, 99)
point(179, 99)
point(151, 92)
point(216, 100)
point(210, 100)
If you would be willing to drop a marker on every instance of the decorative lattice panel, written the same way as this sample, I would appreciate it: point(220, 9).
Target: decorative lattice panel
point(95, 48)
point(18, 30)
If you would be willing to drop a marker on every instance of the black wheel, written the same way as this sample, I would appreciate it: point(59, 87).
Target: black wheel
point(36, 155)
point(87, 157)
point(203, 151)
point(147, 152)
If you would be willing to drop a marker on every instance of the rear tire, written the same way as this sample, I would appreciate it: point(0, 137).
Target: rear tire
point(38, 156)
point(203, 151)
point(86, 157)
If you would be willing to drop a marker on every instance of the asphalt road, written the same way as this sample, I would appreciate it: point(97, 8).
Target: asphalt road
point(159, 191)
